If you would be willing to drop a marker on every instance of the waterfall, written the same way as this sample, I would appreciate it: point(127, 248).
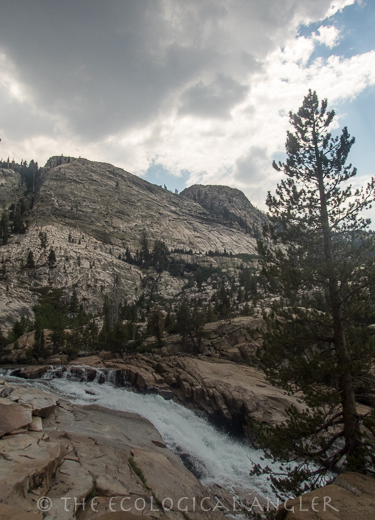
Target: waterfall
point(215, 457)
point(81, 373)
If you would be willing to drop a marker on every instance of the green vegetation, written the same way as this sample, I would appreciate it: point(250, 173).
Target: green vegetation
point(137, 470)
point(30, 263)
point(4, 227)
point(320, 269)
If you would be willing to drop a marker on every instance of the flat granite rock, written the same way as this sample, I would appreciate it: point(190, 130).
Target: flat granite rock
point(350, 497)
point(87, 454)
point(42, 403)
point(14, 513)
point(13, 416)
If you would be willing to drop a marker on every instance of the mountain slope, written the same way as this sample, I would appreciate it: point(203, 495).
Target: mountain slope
point(91, 214)
point(114, 206)
point(228, 204)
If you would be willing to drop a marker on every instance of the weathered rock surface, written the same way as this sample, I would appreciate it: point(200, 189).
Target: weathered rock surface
point(350, 497)
point(31, 372)
point(14, 513)
point(86, 452)
point(28, 466)
point(226, 203)
point(13, 416)
point(226, 391)
point(41, 403)
point(10, 186)
point(91, 212)
point(113, 205)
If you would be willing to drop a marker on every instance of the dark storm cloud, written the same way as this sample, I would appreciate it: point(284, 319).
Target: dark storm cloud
point(94, 69)
point(102, 66)
point(213, 100)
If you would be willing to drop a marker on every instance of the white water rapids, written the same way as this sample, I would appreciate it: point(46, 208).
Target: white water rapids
point(217, 458)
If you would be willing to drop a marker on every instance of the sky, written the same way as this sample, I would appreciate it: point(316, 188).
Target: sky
point(182, 92)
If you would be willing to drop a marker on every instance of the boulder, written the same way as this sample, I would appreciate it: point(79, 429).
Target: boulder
point(13, 416)
point(140, 377)
point(103, 354)
point(36, 424)
point(71, 479)
point(154, 464)
point(42, 403)
point(33, 372)
point(350, 497)
point(27, 469)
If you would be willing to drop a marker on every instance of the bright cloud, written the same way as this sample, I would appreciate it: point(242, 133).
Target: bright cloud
point(328, 36)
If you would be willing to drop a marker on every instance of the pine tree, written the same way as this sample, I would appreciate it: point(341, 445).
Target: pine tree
point(159, 256)
point(144, 253)
point(73, 304)
point(43, 239)
point(190, 323)
point(3, 341)
point(39, 340)
point(18, 225)
point(3, 270)
point(52, 259)
point(156, 323)
point(4, 227)
point(318, 259)
point(30, 263)
point(198, 278)
point(58, 335)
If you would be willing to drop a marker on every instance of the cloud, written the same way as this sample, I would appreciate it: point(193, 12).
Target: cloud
point(249, 168)
point(201, 87)
point(213, 100)
point(328, 36)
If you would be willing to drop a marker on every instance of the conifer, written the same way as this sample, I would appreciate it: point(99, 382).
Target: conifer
point(318, 259)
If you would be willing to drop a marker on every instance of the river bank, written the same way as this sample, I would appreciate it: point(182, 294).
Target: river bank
point(84, 439)
point(81, 437)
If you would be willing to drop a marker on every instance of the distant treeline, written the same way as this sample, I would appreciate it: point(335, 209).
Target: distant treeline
point(28, 172)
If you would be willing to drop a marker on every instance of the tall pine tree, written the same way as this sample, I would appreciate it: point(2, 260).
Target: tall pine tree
point(4, 227)
point(318, 258)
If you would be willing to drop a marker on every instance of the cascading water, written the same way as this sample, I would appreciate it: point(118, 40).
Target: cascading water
point(214, 456)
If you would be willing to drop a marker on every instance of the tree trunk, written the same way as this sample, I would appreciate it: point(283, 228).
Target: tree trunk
point(351, 430)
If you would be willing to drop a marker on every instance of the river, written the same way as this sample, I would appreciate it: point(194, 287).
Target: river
point(214, 456)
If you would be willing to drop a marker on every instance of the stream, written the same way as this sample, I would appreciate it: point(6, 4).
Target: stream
point(213, 456)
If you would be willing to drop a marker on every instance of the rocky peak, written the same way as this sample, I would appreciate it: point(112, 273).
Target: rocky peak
point(58, 160)
point(114, 206)
point(93, 216)
point(229, 204)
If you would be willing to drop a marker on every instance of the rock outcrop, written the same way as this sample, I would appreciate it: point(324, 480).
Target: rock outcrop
point(85, 452)
point(113, 206)
point(14, 416)
point(350, 497)
point(235, 340)
point(91, 213)
point(227, 392)
point(228, 204)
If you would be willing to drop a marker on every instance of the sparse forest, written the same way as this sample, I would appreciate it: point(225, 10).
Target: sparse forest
point(310, 285)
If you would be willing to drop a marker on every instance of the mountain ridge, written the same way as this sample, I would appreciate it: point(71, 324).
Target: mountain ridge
point(93, 216)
